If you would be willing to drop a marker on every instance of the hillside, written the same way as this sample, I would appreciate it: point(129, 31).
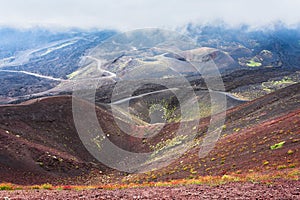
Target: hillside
point(151, 112)
point(245, 146)
point(39, 139)
point(48, 62)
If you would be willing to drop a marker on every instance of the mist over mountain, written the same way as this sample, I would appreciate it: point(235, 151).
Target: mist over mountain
point(131, 99)
point(45, 57)
point(200, 104)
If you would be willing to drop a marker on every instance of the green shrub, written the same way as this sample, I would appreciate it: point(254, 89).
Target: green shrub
point(277, 146)
point(6, 187)
point(290, 152)
point(266, 162)
point(281, 167)
point(47, 186)
point(292, 165)
point(252, 63)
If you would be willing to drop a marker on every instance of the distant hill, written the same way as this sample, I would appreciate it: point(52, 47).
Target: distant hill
point(61, 55)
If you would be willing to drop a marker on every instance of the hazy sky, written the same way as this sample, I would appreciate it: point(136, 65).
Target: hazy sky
point(130, 14)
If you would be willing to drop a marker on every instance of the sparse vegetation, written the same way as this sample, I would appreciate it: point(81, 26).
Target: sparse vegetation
point(258, 144)
point(277, 146)
point(281, 167)
point(252, 63)
point(273, 85)
point(266, 162)
point(47, 186)
point(290, 152)
point(6, 186)
point(290, 174)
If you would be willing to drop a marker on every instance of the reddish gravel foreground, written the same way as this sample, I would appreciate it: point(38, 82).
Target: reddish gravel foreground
point(278, 190)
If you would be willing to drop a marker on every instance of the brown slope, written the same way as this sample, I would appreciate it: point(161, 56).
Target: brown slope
point(25, 162)
point(34, 130)
point(39, 139)
point(252, 128)
point(265, 108)
point(45, 122)
point(243, 152)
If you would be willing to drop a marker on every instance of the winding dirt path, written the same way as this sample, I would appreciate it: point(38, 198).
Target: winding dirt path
point(34, 74)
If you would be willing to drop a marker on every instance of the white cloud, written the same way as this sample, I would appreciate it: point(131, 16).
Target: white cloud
point(130, 14)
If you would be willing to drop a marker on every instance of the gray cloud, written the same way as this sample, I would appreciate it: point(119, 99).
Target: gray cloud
point(130, 14)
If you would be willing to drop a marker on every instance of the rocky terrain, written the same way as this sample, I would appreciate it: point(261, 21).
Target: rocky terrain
point(141, 83)
point(280, 190)
point(60, 56)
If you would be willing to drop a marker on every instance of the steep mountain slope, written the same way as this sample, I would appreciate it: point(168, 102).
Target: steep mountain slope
point(250, 136)
point(39, 139)
point(41, 58)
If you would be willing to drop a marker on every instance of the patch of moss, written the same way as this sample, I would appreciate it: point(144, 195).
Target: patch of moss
point(252, 63)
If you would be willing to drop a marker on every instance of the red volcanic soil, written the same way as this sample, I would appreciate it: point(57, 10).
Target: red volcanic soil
point(280, 190)
point(251, 129)
point(241, 152)
point(39, 144)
